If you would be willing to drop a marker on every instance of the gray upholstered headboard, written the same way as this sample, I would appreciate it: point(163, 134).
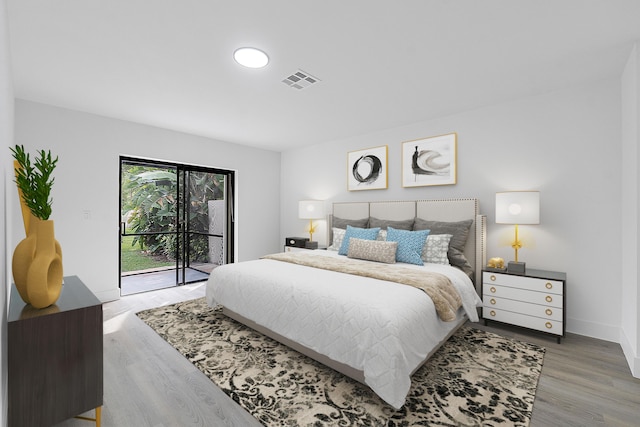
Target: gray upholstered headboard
point(449, 210)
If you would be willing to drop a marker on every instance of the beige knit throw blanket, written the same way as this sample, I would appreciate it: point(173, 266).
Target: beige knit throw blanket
point(437, 286)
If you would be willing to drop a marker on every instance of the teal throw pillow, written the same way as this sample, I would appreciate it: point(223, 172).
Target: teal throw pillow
point(410, 244)
point(358, 233)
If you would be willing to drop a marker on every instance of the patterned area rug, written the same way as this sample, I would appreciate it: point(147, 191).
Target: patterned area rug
point(476, 378)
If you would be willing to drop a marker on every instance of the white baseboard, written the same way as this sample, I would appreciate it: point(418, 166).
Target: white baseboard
point(608, 333)
point(594, 330)
point(630, 353)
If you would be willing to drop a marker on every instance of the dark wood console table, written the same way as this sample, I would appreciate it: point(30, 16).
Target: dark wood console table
point(55, 363)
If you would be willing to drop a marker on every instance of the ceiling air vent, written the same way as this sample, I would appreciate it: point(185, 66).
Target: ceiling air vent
point(300, 80)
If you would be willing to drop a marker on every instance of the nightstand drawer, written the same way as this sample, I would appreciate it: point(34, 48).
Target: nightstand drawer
point(295, 249)
point(522, 282)
point(531, 322)
point(534, 297)
point(541, 311)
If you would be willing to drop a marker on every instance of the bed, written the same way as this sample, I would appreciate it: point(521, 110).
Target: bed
point(372, 329)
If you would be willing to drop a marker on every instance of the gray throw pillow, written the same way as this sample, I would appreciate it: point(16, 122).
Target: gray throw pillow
point(459, 231)
point(407, 224)
point(342, 223)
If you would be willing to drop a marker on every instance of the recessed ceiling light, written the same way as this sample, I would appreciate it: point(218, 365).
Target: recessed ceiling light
point(251, 57)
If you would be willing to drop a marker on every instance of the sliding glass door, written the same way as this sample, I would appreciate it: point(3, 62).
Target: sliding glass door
point(176, 223)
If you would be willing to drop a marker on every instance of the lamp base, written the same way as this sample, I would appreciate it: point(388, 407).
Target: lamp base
point(516, 267)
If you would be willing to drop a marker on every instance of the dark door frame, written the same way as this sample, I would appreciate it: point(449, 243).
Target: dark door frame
point(181, 217)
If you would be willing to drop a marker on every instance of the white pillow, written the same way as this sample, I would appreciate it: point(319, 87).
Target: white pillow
point(435, 249)
point(338, 236)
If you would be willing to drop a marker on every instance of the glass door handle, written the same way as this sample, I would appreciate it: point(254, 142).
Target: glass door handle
point(123, 228)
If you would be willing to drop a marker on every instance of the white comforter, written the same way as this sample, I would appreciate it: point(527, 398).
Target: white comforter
point(382, 328)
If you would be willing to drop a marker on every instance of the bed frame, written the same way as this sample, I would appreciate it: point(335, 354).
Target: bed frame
point(436, 210)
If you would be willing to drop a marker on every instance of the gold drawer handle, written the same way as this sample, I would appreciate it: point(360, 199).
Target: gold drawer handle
point(548, 285)
point(493, 290)
point(492, 301)
point(493, 278)
point(493, 313)
point(548, 298)
point(548, 311)
point(548, 325)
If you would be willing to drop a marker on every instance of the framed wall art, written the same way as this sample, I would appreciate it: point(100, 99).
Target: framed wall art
point(429, 161)
point(367, 169)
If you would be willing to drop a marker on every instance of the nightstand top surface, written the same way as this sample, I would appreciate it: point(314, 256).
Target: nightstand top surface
point(532, 272)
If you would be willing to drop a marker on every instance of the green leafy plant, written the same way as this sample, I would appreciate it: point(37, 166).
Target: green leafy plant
point(35, 180)
point(150, 204)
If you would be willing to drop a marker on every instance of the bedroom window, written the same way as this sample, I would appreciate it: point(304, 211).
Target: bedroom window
point(176, 223)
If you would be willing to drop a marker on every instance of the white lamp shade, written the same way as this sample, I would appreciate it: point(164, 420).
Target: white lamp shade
point(311, 209)
point(518, 207)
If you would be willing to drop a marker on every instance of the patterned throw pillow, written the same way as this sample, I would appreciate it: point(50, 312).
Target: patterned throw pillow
point(373, 250)
point(410, 244)
point(436, 248)
point(459, 230)
point(358, 233)
point(338, 236)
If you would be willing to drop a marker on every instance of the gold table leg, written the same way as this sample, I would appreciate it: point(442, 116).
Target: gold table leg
point(97, 419)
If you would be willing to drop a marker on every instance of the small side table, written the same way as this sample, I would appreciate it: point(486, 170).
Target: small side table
point(55, 358)
point(534, 300)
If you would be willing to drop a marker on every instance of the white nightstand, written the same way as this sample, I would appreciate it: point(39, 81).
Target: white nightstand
point(534, 300)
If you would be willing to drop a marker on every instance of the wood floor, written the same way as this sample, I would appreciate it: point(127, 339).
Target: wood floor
point(584, 382)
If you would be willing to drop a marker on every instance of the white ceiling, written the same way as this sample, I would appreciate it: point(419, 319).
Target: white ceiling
point(382, 64)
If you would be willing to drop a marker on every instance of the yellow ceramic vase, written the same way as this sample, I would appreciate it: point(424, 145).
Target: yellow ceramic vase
point(37, 265)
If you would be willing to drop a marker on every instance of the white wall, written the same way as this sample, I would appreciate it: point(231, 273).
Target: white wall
point(630, 215)
point(87, 179)
point(6, 170)
point(564, 144)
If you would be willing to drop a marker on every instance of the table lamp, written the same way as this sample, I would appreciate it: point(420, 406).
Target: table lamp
point(311, 209)
point(517, 208)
